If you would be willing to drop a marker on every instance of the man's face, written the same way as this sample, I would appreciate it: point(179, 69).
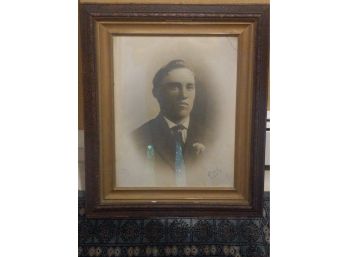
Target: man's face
point(176, 94)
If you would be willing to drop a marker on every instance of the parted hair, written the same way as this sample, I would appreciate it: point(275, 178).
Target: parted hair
point(174, 64)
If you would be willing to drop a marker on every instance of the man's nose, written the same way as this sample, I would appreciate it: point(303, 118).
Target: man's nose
point(183, 93)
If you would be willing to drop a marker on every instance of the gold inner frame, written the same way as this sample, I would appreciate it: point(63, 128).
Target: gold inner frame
point(241, 193)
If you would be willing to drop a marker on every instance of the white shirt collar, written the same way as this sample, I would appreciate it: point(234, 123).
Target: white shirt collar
point(171, 124)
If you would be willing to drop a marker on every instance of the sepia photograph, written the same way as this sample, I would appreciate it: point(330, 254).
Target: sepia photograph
point(174, 110)
point(175, 105)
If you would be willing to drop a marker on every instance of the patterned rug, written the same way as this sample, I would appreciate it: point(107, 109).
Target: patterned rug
point(238, 237)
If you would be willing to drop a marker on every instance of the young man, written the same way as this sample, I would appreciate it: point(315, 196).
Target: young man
point(172, 141)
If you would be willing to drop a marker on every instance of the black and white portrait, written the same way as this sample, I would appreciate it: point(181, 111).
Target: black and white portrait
point(175, 105)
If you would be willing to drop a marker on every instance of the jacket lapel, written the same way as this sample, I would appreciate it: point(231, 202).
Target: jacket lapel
point(163, 141)
point(192, 137)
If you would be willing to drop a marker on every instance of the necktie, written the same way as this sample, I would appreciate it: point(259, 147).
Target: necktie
point(179, 144)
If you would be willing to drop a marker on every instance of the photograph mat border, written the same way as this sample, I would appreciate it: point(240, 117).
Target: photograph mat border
point(106, 90)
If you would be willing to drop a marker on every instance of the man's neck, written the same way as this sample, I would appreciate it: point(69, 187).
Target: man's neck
point(184, 121)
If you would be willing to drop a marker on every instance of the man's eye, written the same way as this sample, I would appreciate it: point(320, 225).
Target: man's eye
point(190, 87)
point(173, 86)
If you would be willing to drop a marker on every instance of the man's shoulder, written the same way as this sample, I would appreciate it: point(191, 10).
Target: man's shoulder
point(145, 128)
point(143, 134)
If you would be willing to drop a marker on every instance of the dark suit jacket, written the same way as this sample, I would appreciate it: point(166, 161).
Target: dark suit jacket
point(156, 133)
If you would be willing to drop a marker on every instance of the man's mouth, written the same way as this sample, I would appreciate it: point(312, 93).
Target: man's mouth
point(183, 104)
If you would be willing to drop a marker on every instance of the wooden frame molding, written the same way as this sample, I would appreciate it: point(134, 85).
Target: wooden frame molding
point(98, 24)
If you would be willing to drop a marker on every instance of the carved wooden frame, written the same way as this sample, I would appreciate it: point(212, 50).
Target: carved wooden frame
point(250, 23)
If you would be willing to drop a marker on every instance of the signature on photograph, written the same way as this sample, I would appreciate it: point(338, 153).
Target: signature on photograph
point(214, 173)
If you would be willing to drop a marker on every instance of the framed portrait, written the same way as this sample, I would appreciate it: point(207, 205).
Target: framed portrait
point(175, 108)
